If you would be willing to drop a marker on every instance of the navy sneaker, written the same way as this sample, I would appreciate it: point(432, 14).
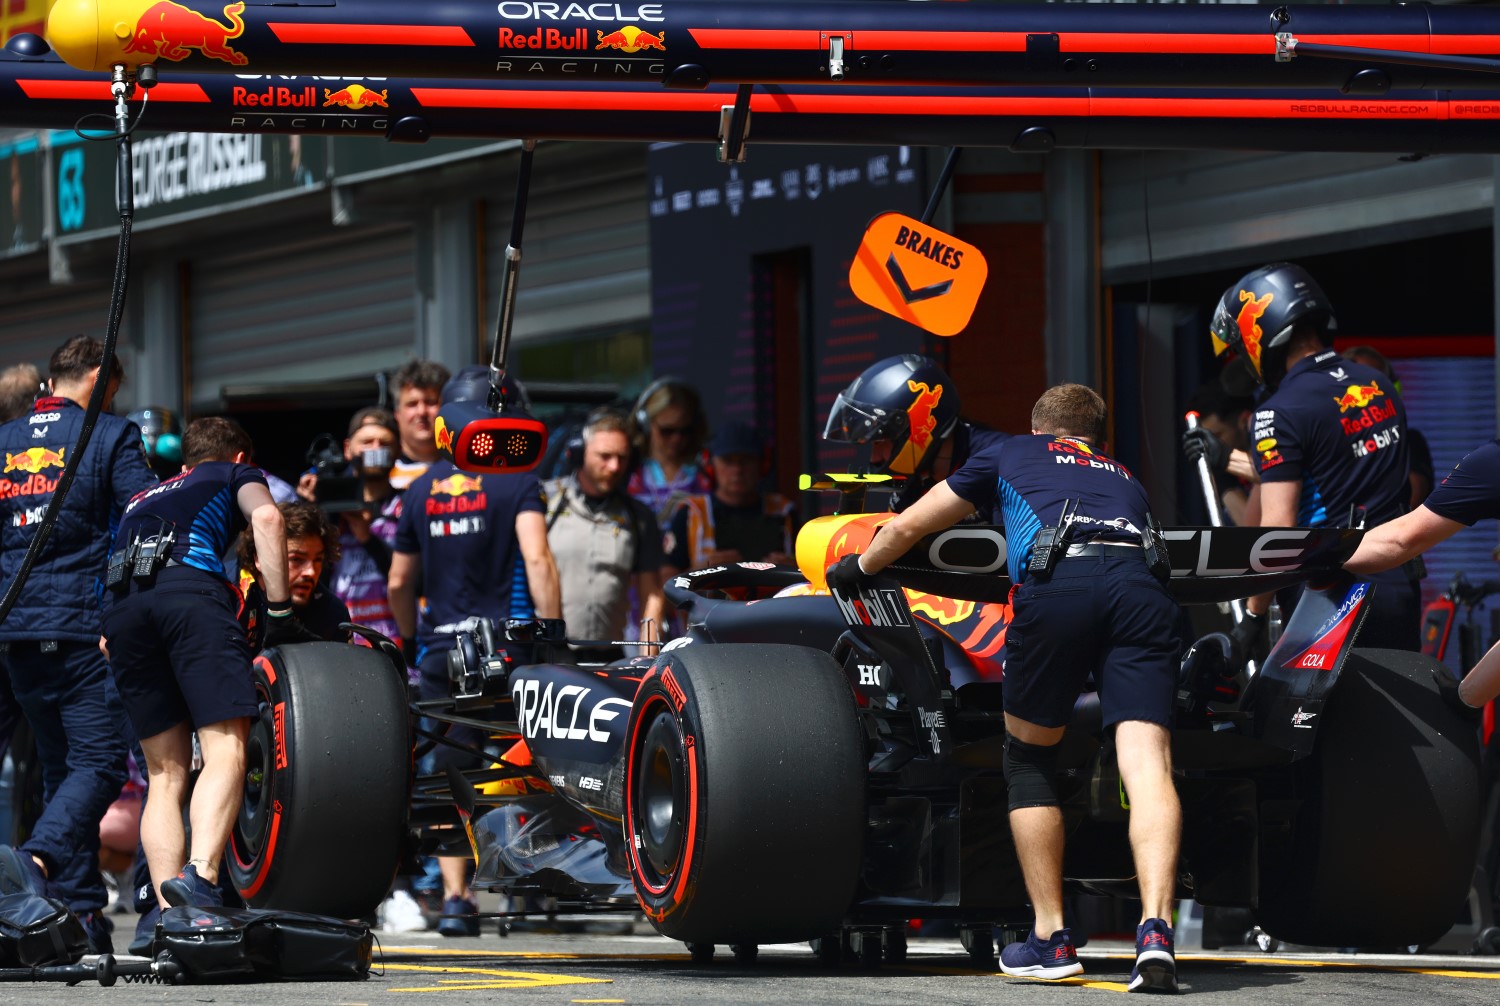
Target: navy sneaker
point(143, 944)
point(187, 888)
point(1155, 960)
point(19, 873)
point(1035, 958)
point(458, 918)
point(98, 927)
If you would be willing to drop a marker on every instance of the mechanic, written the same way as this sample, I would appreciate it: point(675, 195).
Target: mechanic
point(1089, 606)
point(671, 430)
point(1470, 493)
point(19, 386)
point(311, 543)
point(50, 641)
point(907, 409)
point(419, 385)
point(1223, 437)
point(365, 536)
point(736, 522)
point(1422, 473)
point(481, 541)
point(605, 541)
point(1329, 438)
point(181, 656)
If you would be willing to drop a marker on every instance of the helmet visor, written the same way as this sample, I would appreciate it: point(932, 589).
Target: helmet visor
point(855, 422)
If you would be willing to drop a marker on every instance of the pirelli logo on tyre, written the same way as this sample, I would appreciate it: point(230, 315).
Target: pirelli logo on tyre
point(918, 273)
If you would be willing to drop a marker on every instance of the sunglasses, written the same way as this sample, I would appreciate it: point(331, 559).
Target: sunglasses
point(673, 431)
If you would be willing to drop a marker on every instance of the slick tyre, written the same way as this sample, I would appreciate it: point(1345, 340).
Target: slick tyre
point(1386, 830)
point(744, 794)
point(327, 782)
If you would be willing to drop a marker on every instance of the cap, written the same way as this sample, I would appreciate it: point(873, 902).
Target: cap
point(736, 438)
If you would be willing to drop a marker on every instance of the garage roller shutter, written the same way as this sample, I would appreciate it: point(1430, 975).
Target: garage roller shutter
point(340, 306)
point(36, 325)
point(585, 264)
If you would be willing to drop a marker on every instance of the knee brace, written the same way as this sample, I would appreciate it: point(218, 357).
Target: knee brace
point(1029, 771)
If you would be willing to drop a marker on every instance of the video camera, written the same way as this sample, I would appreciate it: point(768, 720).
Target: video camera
point(339, 490)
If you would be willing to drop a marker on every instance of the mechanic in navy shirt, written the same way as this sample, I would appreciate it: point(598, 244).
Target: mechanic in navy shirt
point(477, 546)
point(907, 409)
point(1098, 611)
point(180, 655)
point(1329, 439)
point(1470, 493)
point(49, 644)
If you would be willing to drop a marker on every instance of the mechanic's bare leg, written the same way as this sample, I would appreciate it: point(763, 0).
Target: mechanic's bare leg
point(455, 871)
point(1038, 834)
point(1145, 753)
point(169, 759)
point(217, 794)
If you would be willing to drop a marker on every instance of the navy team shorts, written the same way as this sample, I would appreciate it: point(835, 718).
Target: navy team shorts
point(1103, 615)
point(178, 652)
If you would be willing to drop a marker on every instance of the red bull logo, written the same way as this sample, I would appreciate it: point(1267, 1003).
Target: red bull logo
point(631, 39)
point(919, 413)
point(355, 97)
point(1357, 396)
point(171, 31)
point(1248, 320)
point(456, 485)
point(34, 460)
point(442, 436)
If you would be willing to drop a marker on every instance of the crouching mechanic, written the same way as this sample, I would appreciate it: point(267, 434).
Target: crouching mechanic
point(179, 654)
point(1089, 606)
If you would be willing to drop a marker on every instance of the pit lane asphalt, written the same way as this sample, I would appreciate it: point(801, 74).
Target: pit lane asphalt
point(641, 969)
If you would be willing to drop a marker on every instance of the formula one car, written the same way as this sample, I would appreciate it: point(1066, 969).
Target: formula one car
point(825, 767)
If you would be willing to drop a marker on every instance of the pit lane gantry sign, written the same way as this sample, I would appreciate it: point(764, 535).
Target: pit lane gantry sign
point(918, 273)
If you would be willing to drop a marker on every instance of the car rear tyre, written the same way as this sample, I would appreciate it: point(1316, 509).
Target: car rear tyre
point(744, 794)
point(1385, 839)
point(328, 779)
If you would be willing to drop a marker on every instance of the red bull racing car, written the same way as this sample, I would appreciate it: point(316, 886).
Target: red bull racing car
point(808, 766)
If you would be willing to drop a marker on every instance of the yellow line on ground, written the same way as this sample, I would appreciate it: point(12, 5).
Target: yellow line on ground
point(511, 979)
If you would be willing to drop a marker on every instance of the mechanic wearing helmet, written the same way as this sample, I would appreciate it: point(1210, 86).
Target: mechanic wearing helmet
point(1470, 493)
point(1329, 437)
point(907, 409)
point(1091, 605)
point(477, 545)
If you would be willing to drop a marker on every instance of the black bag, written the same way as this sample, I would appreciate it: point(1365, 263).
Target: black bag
point(250, 944)
point(35, 931)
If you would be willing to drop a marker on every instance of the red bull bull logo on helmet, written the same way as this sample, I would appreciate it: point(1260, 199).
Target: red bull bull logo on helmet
point(171, 31)
point(1248, 320)
point(631, 39)
point(919, 413)
point(442, 436)
point(355, 97)
point(34, 459)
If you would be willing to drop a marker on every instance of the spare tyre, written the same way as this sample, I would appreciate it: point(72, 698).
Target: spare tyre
point(327, 782)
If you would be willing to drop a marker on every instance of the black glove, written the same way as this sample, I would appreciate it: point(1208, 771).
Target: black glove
point(409, 652)
point(1250, 639)
point(846, 576)
point(286, 629)
point(1200, 443)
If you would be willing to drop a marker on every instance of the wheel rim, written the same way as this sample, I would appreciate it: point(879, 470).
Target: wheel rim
point(254, 818)
point(661, 795)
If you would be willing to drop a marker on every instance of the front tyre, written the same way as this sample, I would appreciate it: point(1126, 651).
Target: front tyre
point(744, 794)
point(327, 787)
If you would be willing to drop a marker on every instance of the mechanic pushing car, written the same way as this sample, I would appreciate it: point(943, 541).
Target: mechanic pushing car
point(180, 655)
point(1329, 438)
point(907, 409)
point(1470, 493)
point(1090, 599)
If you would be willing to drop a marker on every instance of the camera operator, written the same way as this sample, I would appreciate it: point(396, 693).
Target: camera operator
point(366, 534)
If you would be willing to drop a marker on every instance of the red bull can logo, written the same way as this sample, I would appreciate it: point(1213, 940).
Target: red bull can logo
point(631, 39)
point(1248, 320)
point(442, 436)
point(355, 97)
point(456, 485)
point(1357, 396)
point(171, 31)
point(919, 413)
point(34, 460)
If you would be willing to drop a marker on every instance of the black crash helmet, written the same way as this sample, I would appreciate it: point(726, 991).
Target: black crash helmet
point(1256, 316)
point(907, 400)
